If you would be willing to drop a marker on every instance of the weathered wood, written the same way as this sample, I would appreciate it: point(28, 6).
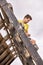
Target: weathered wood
point(7, 55)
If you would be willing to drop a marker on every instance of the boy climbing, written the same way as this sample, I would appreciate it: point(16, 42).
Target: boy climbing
point(27, 18)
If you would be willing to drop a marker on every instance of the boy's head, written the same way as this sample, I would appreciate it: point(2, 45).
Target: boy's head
point(27, 18)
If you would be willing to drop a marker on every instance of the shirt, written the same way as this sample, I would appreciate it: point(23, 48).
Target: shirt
point(25, 25)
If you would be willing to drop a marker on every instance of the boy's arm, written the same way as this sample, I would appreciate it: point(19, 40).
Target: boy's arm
point(27, 34)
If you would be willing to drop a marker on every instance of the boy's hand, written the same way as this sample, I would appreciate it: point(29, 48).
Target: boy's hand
point(33, 41)
point(28, 34)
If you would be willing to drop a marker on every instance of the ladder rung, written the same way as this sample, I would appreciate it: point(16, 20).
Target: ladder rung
point(5, 53)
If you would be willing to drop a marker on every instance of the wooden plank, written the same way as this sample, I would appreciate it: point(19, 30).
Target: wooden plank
point(1, 49)
point(4, 54)
point(2, 2)
point(1, 38)
point(8, 57)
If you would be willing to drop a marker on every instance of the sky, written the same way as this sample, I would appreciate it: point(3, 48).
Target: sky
point(35, 9)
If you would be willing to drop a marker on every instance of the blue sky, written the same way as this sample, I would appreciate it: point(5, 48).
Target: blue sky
point(35, 9)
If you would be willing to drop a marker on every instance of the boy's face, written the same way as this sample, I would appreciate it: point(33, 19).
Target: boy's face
point(26, 20)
